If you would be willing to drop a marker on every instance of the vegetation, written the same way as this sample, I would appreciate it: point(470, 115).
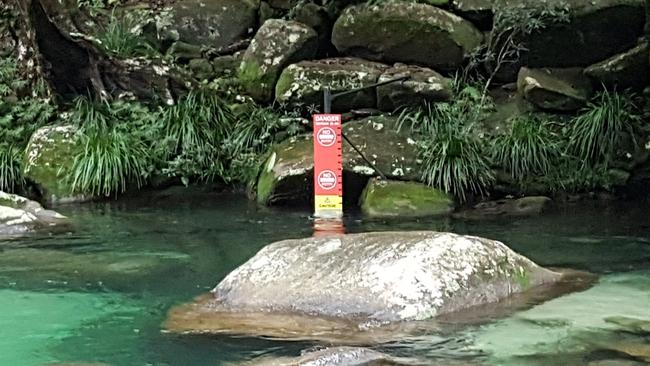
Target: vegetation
point(453, 155)
point(20, 116)
point(122, 36)
point(529, 148)
point(598, 131)
point(112, 154)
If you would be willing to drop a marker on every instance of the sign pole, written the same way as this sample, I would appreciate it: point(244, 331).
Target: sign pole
point(328, 166)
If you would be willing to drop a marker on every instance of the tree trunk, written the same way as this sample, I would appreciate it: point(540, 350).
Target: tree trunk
point(647, 18)
point(46, 36)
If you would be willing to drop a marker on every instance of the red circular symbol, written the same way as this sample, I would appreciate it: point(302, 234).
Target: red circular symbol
point(327, 180)
point(326, 137)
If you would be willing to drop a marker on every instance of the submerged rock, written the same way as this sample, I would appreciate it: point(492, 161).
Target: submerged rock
point(408, 32)
point(359, 283)
point(336, 356)
point(48, 157)
point(277, 44)
point(385, 198)
point(287, 175)
point(18, 215)
point(554, 89)
point(525, 206)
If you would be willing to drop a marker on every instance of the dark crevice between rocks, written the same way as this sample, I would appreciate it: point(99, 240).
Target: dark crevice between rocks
point(298, 191)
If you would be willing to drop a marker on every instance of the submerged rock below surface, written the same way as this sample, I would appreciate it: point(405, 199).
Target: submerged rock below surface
point(522, 207)
point(367, 286)
point(18, 215)
point(336, 356)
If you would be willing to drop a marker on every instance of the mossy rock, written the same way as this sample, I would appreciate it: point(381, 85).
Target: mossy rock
point(277, 44)
point(287, 175)
point(560, 90)
point(400, 31)
point(213, 23)
point(423, 85)
point(385, 198)
point(303, 83)
point(626, 70)
point(596, 30)
point(48, 158)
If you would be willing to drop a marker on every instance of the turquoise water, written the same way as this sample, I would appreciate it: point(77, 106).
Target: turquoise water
point(101, 292)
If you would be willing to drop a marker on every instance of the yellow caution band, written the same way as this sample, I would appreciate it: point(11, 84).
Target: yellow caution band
point(329, 204)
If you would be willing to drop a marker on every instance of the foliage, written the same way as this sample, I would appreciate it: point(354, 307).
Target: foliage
point(194, 130)
point(512, 24)
point(530, 148)
point(11, 177)
point(573, 175)
point(19, 118)
point(453, 156)
point(255, 130)
point(123, 35)
point(112, 156)
point(596, 133)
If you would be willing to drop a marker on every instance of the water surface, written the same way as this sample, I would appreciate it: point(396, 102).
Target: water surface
point(101, 292)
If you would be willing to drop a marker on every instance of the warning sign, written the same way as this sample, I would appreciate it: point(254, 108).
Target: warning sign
point(327, 180)
point(328, 166)
point(326, 137)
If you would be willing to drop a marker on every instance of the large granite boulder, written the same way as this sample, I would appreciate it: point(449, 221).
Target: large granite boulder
point(359, 283)
point(386, 198)
point(277, 44)
point(212, 23)
point(423, 85)
point(596, 30)
point(287, 175)
point(19, 215)
point(408, 32)
point(303, 83)
point(559, 90)
point(626, 70)
point(48, 157)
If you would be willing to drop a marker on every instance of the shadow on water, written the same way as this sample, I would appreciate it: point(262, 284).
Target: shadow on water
point(101, 292)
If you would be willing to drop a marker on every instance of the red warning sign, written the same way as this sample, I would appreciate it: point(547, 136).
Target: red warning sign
point(328, 165)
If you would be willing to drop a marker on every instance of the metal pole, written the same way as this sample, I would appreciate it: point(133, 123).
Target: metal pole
point(327, 100)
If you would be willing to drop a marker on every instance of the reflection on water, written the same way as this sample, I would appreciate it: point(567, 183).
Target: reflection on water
point(100, 294)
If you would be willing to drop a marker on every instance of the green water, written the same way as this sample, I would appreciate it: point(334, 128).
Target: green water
point(100, 293)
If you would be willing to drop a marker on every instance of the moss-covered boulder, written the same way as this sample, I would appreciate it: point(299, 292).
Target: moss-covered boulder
point(287, 175)
point(212, 23)
point(386, 198)
point(596, 30)
point(303, 83)
point(626, 70)
point(48, 158)
point(408, 32)
point(554, 89)
point(364, 283)
point(277, 44)
point(422, 85)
